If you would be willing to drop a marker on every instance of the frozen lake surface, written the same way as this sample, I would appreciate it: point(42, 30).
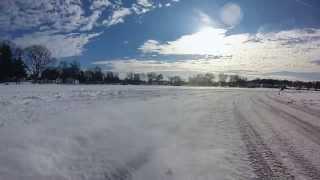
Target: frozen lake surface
point(62, 132)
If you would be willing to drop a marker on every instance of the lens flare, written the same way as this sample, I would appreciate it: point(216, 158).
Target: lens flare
point(231, 14)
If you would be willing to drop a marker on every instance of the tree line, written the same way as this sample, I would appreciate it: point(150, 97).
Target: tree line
point(12, 67)
point(35, 63)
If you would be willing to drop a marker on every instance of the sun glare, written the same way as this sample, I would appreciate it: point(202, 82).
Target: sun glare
point(207, 40)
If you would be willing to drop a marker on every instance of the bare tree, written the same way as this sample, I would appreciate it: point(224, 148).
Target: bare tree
point(223, 79)
point(175, 81)
point(151, 77)
point(234, 78)
point(159, 77)
point(202, 79)
point(209, 78)
point(38, 58)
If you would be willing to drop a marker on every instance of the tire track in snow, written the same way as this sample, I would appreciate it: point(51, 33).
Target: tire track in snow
point(305, 128)
point(263, 161)
point(297, 107)
point(305, 166)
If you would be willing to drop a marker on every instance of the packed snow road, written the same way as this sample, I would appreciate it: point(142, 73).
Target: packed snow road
point(148, 132)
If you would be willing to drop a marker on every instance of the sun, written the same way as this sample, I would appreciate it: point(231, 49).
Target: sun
point(207, 41)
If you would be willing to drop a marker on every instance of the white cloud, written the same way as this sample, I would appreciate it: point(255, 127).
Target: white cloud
point(97, 4)
point(65, 15)
point(292, 50)
point(54, 23)
point(151, 46)
point(117, 16)
point(206, 20)
point(26, 14)
point(145, 3)
point(143, 6)
point(207, 41)
point(60, 45)
point(91, 21)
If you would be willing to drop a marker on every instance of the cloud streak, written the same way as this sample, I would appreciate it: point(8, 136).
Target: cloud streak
point(117, 16)
point(61, 45)
point(187, 68)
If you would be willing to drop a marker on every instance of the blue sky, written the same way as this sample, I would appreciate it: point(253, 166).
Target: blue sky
point(255, 38)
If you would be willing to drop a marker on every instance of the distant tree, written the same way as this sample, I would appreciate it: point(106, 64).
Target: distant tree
point(209, 77)
point(111, 77)
point(136, 77)
point(19, 69)
point(88, 76)
point(175, 81)
point(97, 74)
point(243, 82)
point(38, 58)
point(237, 81)
point(234, 80)
point(159, 77)
point(308, 85)
point(317, 85)
point(133, 78)
point(129, 76)
point(11, 65)
point(63, 69)
point(202, 79)
point(223, 79)
point(69, 71)
point(82, 78)
point(143, 77)
point(151, 77)
point(5, 62)
point(51, 74)
point(75, 69)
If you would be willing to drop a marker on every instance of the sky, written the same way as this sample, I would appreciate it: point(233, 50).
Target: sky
point(253, 38)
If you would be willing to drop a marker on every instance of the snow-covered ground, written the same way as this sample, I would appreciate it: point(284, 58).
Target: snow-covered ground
point(102, 132)
point(307, 99)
